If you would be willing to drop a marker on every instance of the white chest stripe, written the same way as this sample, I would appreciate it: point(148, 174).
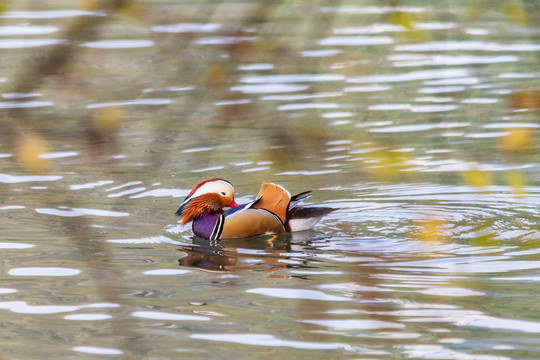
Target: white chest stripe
point(218, 228)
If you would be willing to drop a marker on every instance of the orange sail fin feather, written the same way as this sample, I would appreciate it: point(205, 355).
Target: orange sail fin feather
point(273, 211)
point(275, 199)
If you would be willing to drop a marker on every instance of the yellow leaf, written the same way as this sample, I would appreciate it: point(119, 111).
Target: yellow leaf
point(4, 5)
point(106, 120)
point(90, 5)
point(431, 230)
point(402, 19)
point(389, 164)
point(478, 178)
point(133, 9)
point(525, 99)
point(516, 13)
point(486, 239)
point(476, 10)
point(484, 232)
point(519, 139)
point(407, 21)
point(515, 179)
point(215, 75)
point(28, 149)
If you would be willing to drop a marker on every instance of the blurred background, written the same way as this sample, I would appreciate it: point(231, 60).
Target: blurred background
point(417, 120)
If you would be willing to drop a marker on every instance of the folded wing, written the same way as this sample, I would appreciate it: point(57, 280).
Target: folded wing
point(250, 222)
point(267, 214)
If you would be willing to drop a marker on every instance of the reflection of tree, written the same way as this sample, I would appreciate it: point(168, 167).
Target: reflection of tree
point(49, 63)
point(286, 142)
point(56, 57)
point(28, 146)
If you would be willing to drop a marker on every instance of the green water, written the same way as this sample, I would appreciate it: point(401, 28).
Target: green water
point(417, 121)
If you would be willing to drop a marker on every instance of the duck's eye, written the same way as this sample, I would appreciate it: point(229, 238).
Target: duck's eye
point(223, 193)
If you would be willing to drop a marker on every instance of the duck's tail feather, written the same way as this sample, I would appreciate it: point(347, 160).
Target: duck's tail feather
point(305, 218)
point(296, 199)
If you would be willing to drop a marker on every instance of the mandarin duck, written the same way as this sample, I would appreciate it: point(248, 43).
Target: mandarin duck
point(273, 211)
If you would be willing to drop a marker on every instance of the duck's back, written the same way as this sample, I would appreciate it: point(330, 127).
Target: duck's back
point(266, 215)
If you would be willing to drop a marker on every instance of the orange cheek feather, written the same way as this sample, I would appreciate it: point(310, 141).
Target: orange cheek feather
point(200, 206)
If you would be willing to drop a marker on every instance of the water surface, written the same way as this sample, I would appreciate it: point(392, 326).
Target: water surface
point(418, 123)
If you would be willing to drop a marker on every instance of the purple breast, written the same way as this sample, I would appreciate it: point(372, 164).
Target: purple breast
point(203, 226)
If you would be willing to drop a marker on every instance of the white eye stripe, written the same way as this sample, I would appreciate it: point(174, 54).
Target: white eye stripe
point(218, 187)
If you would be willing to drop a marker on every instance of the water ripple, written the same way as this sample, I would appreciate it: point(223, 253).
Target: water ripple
point(496, 323)
point(440, 352)
point(87, 317)
point(187, 28)
point(118, 44)
point(417, 127)
point(27, 30)
point(467, 46)
point(46, 14)
point(148, 102)
point(510, 125)
point(256, 67)
point(470, 80)
point(413, 76)
point(441, 89)
point(146, 240)
point(450, 291)
point(224, 40)
point(28, 43)
point(291, 78)
point(356, 40)
point(166, 272)
point(378, 28)
point(21, 307)
point(305, 106)
point(7, 245)
point(448, 60)
point(352, 324)
point(367, 88)
point(127, 192)
point(58, 154)
point(370, 10)
point(43, 271)
point(97, 350)
point(320, 53)
point(297, 294)
point(7, 291)
point(162, 193)
point(90, 185)
point(14, 179)
point(465, 265)
point(158, 315)
point(264, 340)
point(269, 88)
point(296, 97)
point(24, 104)
point(80, 212)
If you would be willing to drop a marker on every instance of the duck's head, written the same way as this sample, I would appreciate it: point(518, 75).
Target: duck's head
point(209, 196)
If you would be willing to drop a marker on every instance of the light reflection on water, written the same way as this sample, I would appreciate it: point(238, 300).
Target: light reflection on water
point(431, 252)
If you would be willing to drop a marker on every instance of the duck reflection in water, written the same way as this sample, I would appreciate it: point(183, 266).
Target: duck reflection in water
point(269, 253)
